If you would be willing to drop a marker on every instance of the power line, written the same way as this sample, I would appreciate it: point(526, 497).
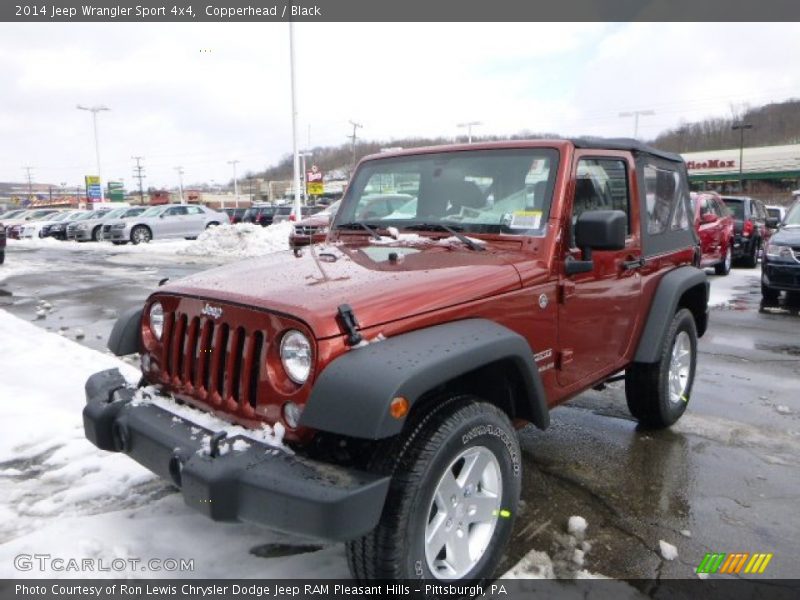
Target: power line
point(139, 174)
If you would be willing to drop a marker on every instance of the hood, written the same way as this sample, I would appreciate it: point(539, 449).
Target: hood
point(426, 277)
point(786, 236)
point(314, 221)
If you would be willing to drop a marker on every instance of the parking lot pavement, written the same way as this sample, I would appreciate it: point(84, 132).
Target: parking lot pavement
point(724, 479)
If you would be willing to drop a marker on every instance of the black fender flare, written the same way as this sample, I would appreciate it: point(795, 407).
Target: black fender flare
point(126, 335)
point(665, 303)
point(352, 394)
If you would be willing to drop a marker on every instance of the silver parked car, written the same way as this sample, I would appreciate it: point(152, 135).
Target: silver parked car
point(90, 228)
point(165, 222)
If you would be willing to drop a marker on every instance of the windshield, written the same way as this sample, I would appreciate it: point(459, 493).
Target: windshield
point(792, 218)
point(59, 217)
point(12, 213)
point(153, 212)
point(735, 206)
point(39, 214)
point(481, 191)
point(85, 216)
point(117, 212)
point(132, 212)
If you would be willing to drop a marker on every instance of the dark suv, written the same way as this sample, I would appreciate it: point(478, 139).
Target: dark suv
point(264, 215)
point(750, 231)
point(378, 380)
point(781, 264)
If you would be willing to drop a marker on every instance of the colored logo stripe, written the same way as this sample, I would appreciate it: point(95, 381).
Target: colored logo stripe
point(720, 562)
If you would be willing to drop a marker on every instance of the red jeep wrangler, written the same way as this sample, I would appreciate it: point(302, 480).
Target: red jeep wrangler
point(399, 357)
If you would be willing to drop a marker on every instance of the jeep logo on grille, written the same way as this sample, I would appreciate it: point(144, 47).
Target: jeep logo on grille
point(215, 312)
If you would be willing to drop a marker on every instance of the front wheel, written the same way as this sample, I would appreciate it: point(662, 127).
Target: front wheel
point(2, 256)
point(141, 234)
point(769, 295)
point(658, 393)
point(97, 234)
point(724, 267)
point(452, 499)
point(212, 224)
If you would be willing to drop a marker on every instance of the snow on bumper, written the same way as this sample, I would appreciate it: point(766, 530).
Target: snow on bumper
point(254, 483)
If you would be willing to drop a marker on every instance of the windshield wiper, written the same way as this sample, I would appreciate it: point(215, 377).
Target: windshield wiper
point(441, 226)
point(362, 225)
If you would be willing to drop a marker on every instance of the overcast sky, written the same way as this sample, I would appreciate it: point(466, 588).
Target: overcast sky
point(199, 95)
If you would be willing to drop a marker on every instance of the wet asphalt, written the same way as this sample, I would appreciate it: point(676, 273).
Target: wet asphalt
point(724, 479)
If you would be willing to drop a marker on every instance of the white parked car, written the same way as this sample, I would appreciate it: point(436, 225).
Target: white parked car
point(164, 222)
point(38, 229)
point(90, 228)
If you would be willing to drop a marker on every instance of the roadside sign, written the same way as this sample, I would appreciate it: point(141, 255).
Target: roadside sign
point(116, 191)
point(93, 190)
point(314, 185)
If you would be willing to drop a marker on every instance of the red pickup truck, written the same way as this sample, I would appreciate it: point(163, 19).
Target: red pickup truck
point(399, 358)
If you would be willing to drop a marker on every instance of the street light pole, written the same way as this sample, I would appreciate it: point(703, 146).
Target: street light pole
point(353, 142)
point(296, 159)
point(636, 114)
point(740, 127)
point(180, 182)
point(94, 110)
point(469, 125)
point(235, 183)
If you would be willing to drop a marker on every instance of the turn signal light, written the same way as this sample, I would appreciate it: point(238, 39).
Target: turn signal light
point(399, 407)
point(748, 228)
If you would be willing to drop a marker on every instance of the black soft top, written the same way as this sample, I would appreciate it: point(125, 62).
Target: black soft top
point(624, 144)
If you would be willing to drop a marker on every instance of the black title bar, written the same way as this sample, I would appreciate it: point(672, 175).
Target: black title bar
point(147, 11)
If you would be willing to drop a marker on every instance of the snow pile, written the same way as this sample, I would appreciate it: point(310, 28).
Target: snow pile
point(668, 551)
point(576, 525)
point(240, 240)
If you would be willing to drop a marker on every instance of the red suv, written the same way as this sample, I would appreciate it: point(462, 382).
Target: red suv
point(714, 225)
point(397, 362)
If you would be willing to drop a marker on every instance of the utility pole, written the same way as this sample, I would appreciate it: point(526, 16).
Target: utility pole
point(139, 174)
point(296, 159)
point(469, 125)
point(740, 127)
point(353, 142)
point(180, 182)
point(94, 110)
point(303, 155)
point(235, 183)
point(636, 114)
point(30, 184)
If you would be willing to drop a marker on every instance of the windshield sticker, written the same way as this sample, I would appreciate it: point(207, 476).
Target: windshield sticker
point(526, 219)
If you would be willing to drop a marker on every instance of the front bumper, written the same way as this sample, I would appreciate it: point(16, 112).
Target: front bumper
point(781, 276)
point(116, 235)
point(741, 246)
point(258, 485)
point(80, 235)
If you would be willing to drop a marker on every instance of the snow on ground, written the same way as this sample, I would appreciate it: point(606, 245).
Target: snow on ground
point(668, 551)
point(226, 241)
point(724, 289)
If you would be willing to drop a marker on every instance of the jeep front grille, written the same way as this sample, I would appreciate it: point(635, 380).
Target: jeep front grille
point(213, 361)
point(305, 230)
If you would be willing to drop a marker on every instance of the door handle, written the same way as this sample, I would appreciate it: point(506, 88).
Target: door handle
point(636, 263)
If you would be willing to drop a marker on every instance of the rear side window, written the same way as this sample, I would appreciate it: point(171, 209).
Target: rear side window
point(665, 205)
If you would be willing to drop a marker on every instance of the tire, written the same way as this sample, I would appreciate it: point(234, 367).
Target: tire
point(97, 233)
point(657, 395)
point(724, 267)
point(461, 431)
point(751, 260)
point(119, 242)
point(212, 224)
point(2, 256)
point(141, 234)
point(769, 295)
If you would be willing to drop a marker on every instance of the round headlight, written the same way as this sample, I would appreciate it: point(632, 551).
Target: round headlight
point(157, 319)
point(296, 356)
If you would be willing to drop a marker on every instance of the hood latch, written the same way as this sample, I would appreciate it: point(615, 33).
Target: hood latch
point(350, 324)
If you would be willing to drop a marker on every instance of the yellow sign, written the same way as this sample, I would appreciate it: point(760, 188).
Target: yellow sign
point(92, 180)
point(315, 188)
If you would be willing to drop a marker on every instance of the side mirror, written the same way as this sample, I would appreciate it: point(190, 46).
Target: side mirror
point(773, 222)
point(597, 230)
point(161, 216)
point(709, 218)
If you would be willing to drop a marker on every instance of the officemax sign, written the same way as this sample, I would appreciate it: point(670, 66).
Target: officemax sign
point(696, 165)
